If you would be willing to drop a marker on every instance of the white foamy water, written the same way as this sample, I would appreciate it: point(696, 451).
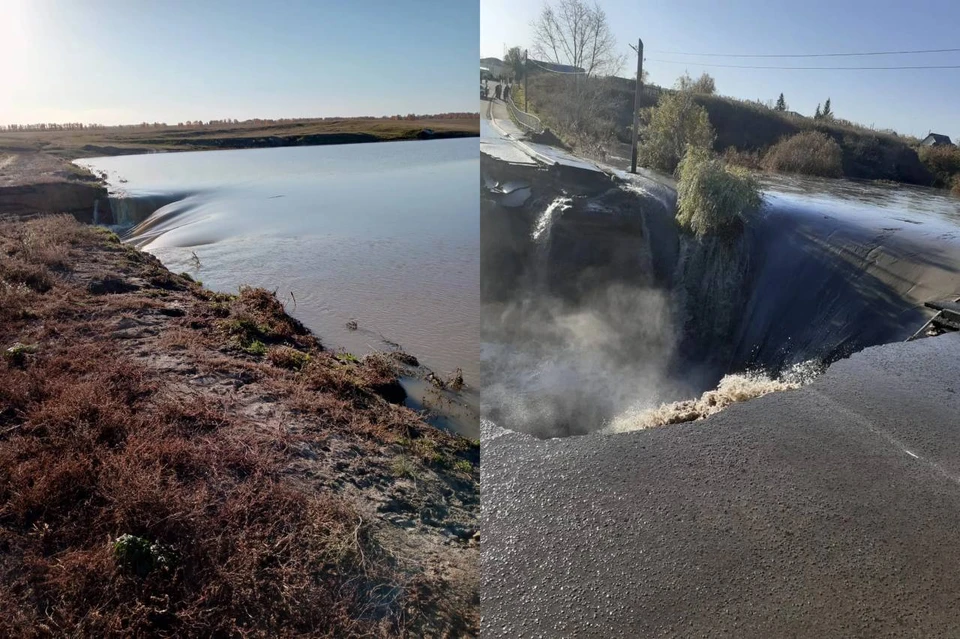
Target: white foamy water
point(733, 388)
point(543, 222)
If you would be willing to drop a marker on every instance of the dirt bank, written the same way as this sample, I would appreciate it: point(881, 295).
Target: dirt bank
point(179, 462)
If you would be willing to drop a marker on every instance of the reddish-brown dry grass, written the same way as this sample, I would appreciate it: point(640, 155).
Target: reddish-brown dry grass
point(91, 451)
point(94, 445)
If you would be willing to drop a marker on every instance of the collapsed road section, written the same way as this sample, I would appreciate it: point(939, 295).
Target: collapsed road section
point(829, 509)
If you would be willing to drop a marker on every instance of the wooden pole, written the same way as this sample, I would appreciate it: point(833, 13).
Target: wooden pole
point(636, 106)
point(525, 62)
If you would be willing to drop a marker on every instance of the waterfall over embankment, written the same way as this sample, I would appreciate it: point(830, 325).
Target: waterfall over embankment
point(600, 306)
point(128, 211)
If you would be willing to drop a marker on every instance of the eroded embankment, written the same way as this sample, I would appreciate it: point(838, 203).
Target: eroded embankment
point(599, 312)
point(77, 198)
point(176, 461)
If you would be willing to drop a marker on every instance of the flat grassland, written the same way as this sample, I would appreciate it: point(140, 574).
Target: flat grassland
point(91, 142)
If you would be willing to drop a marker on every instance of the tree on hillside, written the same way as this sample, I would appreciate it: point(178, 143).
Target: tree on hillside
point(781, 103)
point(577, 34)
point(676, 121)
point(817, 115)
point(514, 61)
point(827, 113)
point(704, 84)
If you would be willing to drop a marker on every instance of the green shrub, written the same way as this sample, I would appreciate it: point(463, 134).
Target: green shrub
point(286, 357)
point(942, 161)
point(674, 124)
point(704, 84)
point(463, 466)
point(141, 556)
point(256, 347)
point(711, 198)
point(809, 153)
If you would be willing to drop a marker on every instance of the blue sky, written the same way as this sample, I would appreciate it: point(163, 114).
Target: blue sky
point(116, 61)
point(909, 101)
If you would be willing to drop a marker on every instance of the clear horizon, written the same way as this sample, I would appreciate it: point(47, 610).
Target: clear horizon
point(908, 101)
point(110, 62)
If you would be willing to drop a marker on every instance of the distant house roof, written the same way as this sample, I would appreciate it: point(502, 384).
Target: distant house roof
point(539, 65)
point(936, 139)
point(491, 61)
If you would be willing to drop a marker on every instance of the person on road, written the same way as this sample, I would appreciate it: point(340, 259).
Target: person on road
point(506, 92)
point(496, 92)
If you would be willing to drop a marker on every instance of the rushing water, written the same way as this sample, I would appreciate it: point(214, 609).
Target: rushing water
point(607, 312)
point(382, 234)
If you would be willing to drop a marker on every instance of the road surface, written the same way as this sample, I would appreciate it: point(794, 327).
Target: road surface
point(829, 511)
point(504, 140)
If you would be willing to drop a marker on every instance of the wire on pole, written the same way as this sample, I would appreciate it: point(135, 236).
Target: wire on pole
point(805, 55)
point(789, 68)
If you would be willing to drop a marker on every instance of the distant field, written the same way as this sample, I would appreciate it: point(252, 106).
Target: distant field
point(71, 144)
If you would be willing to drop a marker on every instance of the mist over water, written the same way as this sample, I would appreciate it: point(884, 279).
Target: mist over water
point(383, 234)
point(607, 318)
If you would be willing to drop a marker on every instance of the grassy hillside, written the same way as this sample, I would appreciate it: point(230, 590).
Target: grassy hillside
point(744, 130)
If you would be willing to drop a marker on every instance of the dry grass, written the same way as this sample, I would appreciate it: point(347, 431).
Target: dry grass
point(746, 159)
point(95, 446)
point(748, 126)
point(808, 153)
point(91, 451)
point(117, 140)
point(943, 162)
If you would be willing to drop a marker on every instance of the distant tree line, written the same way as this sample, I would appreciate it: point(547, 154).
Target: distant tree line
point(81, 126)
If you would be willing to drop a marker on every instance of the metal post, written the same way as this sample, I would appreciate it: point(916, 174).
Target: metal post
point(525, 81)
point(636, 106)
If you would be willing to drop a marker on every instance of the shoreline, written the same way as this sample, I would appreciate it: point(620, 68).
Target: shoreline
point(344, 437)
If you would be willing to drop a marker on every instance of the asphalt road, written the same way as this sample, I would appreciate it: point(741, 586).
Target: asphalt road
point(829, 511)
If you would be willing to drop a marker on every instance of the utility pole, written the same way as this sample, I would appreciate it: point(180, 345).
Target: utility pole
point(525, 63)
point(636, 103)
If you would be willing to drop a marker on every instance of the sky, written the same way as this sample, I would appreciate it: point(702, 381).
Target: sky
point(908, 101)
point(128, 61)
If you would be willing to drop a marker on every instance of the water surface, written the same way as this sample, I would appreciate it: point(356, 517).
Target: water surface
point(386, 235)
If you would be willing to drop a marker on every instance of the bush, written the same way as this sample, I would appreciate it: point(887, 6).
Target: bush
point(704, 84)
point(286, 357)
point(809, 153)
point(711, 198)
point(746, 159)
point(579, 110)
point(943, 162)
point(674, 124)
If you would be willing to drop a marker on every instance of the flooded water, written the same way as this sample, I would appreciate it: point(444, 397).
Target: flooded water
point(610, 318)
point(386, 235)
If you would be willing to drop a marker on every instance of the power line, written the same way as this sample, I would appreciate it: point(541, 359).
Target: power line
point(746, 66)
point(803, 55)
